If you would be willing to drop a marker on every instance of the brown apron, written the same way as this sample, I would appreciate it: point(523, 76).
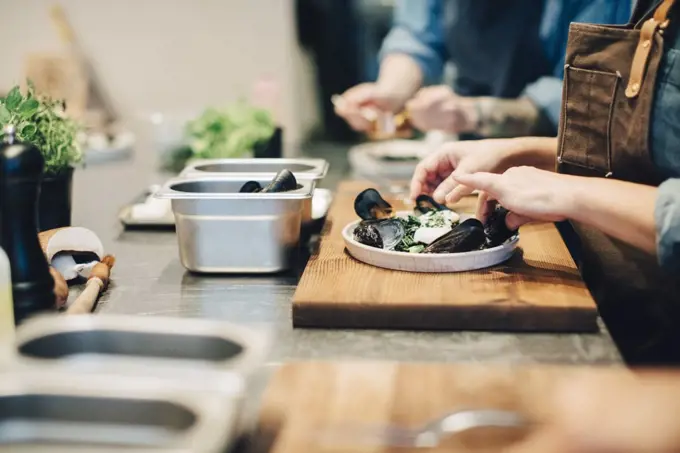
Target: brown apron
point(608, 92)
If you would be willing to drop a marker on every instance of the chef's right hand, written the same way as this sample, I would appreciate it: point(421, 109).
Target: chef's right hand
point(432, 175)
point(366, 95)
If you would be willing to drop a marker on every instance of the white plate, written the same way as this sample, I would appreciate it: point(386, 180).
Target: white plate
point(436, 262)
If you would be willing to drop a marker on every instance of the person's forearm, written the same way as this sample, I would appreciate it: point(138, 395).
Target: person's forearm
point(620, 209)
point(400, 76)
point(498, 117)
point(539, 152)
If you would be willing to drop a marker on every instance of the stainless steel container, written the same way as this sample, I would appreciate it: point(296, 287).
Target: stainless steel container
point(264, 169)
point(61, 412)
point(200, 355)
point(220, 230)
point(303, 169)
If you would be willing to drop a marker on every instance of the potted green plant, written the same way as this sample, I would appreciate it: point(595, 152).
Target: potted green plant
point(238, 130)
point(42, 121)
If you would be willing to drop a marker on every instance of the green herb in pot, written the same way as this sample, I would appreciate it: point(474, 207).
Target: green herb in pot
point(41, 120)
point(230, 132)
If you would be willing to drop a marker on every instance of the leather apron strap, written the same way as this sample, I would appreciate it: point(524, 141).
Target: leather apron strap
point(647, 30)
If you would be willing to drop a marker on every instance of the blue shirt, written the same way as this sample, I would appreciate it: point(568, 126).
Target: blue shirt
point(665, 150)
point(419, 30)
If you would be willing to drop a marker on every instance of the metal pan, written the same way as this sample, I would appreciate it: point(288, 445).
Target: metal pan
point(303, 169)
point(220, 230)
point(58, 412)
point(200, 355)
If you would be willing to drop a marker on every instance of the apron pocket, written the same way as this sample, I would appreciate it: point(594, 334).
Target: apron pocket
point(587, 117)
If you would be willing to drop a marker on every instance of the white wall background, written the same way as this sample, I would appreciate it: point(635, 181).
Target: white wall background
point(173, 56)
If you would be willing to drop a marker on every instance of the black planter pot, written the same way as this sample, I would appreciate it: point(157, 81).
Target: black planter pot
point(54, 203)
point(272, 148)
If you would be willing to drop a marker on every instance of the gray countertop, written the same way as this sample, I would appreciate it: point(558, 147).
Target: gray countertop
point(149, 280)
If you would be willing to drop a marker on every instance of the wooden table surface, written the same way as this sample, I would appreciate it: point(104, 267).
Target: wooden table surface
point(538, 289)
point(306, 399)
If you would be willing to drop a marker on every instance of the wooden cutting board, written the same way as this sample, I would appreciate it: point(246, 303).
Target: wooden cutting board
point(539, 289)
point(305, 400)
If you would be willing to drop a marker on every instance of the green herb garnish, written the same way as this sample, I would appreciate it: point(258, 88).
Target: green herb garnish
point(411, 223)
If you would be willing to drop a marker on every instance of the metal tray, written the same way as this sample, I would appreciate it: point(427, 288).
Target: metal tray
point(57, 412)
point(220, 230)
point(201, 355)
point(303, 169)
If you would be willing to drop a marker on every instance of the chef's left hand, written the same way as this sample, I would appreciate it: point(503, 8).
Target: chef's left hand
point(439, 108)
point(528, 193)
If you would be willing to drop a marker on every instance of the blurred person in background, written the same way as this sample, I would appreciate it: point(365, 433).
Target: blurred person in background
point(508, 58)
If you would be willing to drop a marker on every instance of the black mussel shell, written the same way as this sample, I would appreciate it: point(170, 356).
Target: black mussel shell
point(425, 204)
point(386, 233)
point(284, 181)
point(495, 228)
point(367, 234)
point(369, 205)
point(251, 187)
point(465, 237)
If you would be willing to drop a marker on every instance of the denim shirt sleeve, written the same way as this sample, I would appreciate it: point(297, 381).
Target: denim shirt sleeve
point(667, 217)
point(418, 31)
point(546, 94)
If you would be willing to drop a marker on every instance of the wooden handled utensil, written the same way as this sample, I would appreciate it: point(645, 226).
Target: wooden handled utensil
point(96, 283)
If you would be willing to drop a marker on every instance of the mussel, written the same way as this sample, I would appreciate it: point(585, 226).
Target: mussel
point(251, 187)
point(284, 181)
point(465, 237)
point(425, 204)
point(369, 205)
point(497, 232)
point(382, 234)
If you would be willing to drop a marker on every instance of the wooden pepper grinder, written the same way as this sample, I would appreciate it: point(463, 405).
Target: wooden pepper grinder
point(21, 167)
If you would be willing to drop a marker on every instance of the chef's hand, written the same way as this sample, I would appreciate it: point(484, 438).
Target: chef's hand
point(439, 108)
point(433, 177)
point(528, 193)
point(615, 412)
point(366, 95)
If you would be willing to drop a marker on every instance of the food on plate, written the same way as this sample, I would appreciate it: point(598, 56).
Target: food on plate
point(385, 233)
point(284, 181)
point(495, 228)
point(369, 205)
point(425, 204)
point(431, 228)
point(464, 237)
